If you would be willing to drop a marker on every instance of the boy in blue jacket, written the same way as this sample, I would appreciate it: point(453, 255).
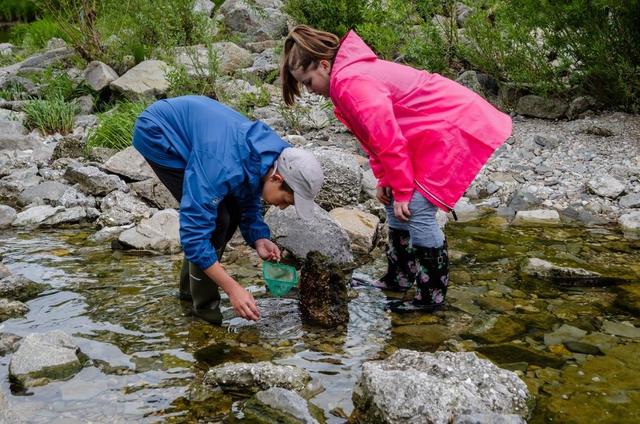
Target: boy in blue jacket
point(218, 164)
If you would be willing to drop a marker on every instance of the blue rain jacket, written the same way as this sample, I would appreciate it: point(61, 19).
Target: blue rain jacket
point(222, 153)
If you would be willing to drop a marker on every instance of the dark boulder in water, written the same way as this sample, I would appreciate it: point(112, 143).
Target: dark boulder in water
point(323, 292)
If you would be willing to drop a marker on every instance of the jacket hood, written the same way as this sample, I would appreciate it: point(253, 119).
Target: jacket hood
point(265, 146)
point(352, 49)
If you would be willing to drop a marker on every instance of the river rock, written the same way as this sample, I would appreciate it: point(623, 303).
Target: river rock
point(155, 192)
point(342, 178)
point(45, 357)
point(12, 185)
point(621, 329)
point(279, 406)
point(537, 217)
point(251, 378)
point(562, 334)
point(577, 346)
point(93, 181)
point(20, 288)
point(546, 271)
point(506, 353)
point(129, 164)
point(120, 208)
point(324, 299)
point(630, 222)
point(630, 201)
point(74, 215)
point(11, 309)
point(47, 192)
point(541, 107)
point(320, 234)
point(580, 105)
point(490, 418)
point(230, 57)
point(160, 233)
point(629, 297)
point(606, 186)
point(144, 81)
point(36, 215)
point(496, 329)
point(7, 216)
point(362, 227)
point(436, 387)
point(108, 233)
point(99, 75)
point(8, 344)
point(72, 197)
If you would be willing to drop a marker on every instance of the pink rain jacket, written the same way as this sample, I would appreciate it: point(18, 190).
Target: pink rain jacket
point(421, 131)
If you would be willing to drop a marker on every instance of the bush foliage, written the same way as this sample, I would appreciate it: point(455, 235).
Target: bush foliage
point(115, 127)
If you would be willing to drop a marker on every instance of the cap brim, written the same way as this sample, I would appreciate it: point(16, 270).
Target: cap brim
point(304, 207)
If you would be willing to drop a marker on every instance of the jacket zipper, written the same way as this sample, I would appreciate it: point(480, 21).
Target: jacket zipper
point(455, 217)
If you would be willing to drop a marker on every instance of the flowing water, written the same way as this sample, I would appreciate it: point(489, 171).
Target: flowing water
point(148, 356)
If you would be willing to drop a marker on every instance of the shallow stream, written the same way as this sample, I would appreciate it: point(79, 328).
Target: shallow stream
point(148, 356)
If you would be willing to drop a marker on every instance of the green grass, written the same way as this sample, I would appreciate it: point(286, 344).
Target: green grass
point(115, 127)
point(50, 116)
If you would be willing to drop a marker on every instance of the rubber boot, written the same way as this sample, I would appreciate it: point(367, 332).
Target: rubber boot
point(401, 263)
point(432, 280)
point(184, 292)
point(206, 296)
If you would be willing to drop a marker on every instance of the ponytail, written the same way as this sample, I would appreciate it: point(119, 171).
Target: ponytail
point(303, 47)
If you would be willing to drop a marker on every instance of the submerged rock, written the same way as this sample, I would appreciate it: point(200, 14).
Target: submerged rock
point(11, 309)
point(323, 292)
point(8, 343)
point(44, 357)
point(251, 378)
point(20, 288)
point(6, 413)
point(412, 387)
point(280, 406)
point(506, 353)
point(547, 271)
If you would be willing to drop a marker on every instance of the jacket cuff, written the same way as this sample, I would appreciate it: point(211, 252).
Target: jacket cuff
point(402, 196)
point(257, 235)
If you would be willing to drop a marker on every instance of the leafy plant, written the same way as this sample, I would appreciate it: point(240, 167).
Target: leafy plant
point(34, 35)
point(294, 116)
point(199, 78)
point(115, 127)
point(50, 116)
point(17, 10)
point(247, 101)
point(336, 16)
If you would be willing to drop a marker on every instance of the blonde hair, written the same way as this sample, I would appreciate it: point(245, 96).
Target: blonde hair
point(303, 47)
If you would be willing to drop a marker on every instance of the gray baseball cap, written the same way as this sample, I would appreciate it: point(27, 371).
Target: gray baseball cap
point(303, 173)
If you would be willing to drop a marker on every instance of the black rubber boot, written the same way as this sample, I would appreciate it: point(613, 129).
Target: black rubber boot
point(401, 263)
point(206, 296)
point(184, 292)
point(432, 281)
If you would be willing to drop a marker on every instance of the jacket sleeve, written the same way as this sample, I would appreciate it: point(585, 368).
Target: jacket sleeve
point(252, 225)
point(203, 190)
point(367, 106)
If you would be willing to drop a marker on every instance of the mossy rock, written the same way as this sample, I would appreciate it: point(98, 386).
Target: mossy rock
point(629, 297)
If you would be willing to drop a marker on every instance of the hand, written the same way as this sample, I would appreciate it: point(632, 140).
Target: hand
point(267, 250)
point(383, 194)
point(401, 210)
point(244, 304)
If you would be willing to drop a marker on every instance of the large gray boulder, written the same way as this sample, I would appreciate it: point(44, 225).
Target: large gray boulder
point(229, 57)
point(362, 227)
point(35, 216)
point(606, 186)
point(541, 107)
point(47, 58)
point(93, 181)
point(99, 75)
point(259, 20)
point(12, 185)
point(42, 358)
point(120, 208)
point(45, 193)
point(160, 233)
point(146, 80)
point(419, 387)
point(13, 135)
point(248, 378)
point(74, 215)
point(130, 164)
point(321, 234)
point(539, 269)
point(153, 191)
point(342, 178)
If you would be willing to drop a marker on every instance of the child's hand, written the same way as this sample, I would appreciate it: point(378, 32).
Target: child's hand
point(383, 194)
point(244, 304)
point(401, 210)
point(267, 250)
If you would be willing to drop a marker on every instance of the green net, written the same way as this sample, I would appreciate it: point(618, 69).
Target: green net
point(280, 278)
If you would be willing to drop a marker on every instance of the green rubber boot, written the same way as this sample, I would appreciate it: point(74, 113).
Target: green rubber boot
point(206, 296)
point(184, 292)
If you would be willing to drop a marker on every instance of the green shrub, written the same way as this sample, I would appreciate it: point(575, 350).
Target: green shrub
point(247, 101)
point(200, 81)
point(34, 35)
point(50, 116)
point(336, 16)
point(115, 127)
point(17, 10)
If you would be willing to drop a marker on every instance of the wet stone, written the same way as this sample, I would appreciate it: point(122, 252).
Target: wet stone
point(603, 342)
point(511, 352)
point(20, 288)
point(495, 304)
point(563, 333)
point(621, 329)
point(248, 378)
point(280, 406)
point(581, 347)
point(8, 343)
point(11, 309)
point(496, 329)
point(629, 297)
point(323, 292)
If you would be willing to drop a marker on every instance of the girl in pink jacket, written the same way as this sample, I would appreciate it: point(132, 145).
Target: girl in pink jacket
point(427, 138)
